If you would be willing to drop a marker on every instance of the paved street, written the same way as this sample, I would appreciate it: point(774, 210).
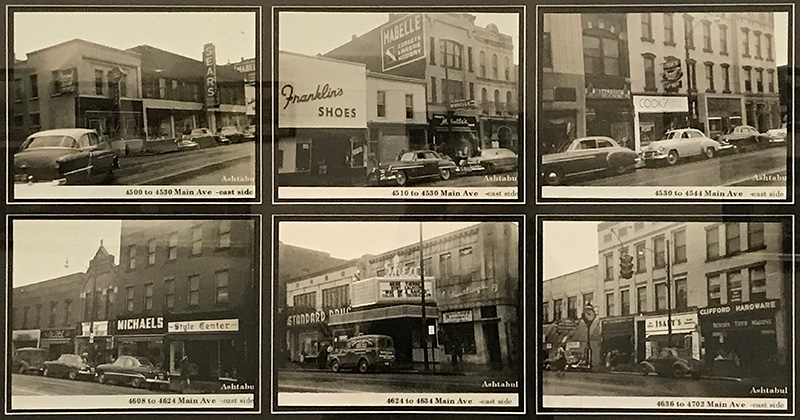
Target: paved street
point(39, 385)
point(184, 167)
point(327, 381)
point(734, 169)
point(624, 384)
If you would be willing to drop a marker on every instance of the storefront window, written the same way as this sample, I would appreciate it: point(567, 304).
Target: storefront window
point(303, 156)
point(357, 153)
point(714, 290)
point(734, 286)
point(758, 284)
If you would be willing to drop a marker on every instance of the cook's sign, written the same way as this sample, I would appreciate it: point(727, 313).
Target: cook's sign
point(403, 41)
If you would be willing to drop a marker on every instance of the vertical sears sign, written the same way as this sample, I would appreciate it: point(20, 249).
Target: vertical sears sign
point(211, 88)
point(317, 92)
point(403, 41)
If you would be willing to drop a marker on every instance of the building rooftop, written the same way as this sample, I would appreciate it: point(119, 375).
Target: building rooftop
point(175, 66)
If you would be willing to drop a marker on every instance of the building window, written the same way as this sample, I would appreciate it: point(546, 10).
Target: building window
point(451, 54)
point(469, 271)
point(34, 79)
point(732, 238)
point(484, 93)
point(148, 296)
point(625, 302)
point(679, 244)
point(433, 90)
point(98, 82)
point(222, 287)
point(507, 69)
point(19, 120)
point(546, 312)
point(588, 298)
point(757, 39)
point(36, 121)
point(647, 27)
point(56, 82)
point(734, 286)
point(714, 290)
point(172, 249)
point(723, 39)
point(547, 50)
point(409, 106)
point(748, 79)
point(381, 103)
point(771, 78)
point(641, 258)
point(649, 72)
point(224, 240)
point(746, 42)
point(472, 91)
point(758, 284)
point(123, 85)
point(432, 57)
point(609, 266)
point(760, 80)
point(557, 309)
point(661, 296)
point(169, 293)
point(19, 90)
point(712, 243)
point(681, 294)
point(688, 30)
point(494, 66)
point(726, 77)
point(336, 297)
point(497, 105)
point(129, 298)
point(669, 29)
point(610, 304)
point(709, 76)
point(601, 55)
point(53, 306)
point(692, 70)
point(151, 252)
point(572, 307)
point(768, 44)
point(197, 240)
point(641, 299)
point(131, 257)
point(305, 300)
point(162, 88)
point(659, 248)
point(469, 60)
point(194, 290)
point(755, 236)
point(482, 63)
point(444, 267)
point(509, 101)
point(707, 36)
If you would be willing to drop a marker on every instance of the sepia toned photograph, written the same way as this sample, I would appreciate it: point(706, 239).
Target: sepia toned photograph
point(134, 314)
point(693, 316)
point(166, 99)
point(374, 322)
point(399, 105)
point(676, 104)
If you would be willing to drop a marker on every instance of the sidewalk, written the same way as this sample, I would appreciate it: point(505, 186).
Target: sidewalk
point(434, 368)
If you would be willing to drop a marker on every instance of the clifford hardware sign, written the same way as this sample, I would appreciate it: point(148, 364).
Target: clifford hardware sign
point(319, 317)
point(660, 104)
point(144, 325)
point(320, 93)
point(740, 316)
point(211, 89)
point(681, 323)
point(403, 41)
point(216, 325)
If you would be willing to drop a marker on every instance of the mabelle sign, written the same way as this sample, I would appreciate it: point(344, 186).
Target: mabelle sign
point(403, 41)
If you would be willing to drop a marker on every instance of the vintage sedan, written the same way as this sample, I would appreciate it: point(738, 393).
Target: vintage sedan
point(498, 160)
point(777, 136)
point(231, 133)
point(743, 137)
point(585, 156)
point(669, 362)
point(29, 360)
point(64, 156)
point(136, 371)
point(70, 366)
point(681, 144)
point(415, 165)
point(364, 353)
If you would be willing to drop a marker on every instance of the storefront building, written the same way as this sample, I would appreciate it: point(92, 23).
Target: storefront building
point(247, 67)
point(93, 339)
point(685, 334)
point(322, 121)
point(141, 337)
point(655, 115)
point(211, 342)
point(57, 340)
point(25, 339)
point(618, 339)
point(564, 299)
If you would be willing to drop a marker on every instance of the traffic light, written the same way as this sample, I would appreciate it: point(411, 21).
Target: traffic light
point(625, 266)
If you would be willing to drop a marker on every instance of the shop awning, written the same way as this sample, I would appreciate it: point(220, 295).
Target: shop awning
point(377, 314)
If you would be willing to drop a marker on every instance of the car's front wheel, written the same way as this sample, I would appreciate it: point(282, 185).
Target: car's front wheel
point(672, 158)
point(72, 375)
point(678, 372)
point(401, 178)
point(710, 152)
point(136, 382)
point(46, 372)
point(444, 173)
point(363, 366)
point(22, 369)
point(335, 365)
point(490, 168)
point(645, 370)
point(102, 378)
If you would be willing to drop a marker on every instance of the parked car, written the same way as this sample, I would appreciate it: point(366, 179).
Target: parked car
point(364, 353)
point(230, 133)
point(29, 360)
point(777, 136)
point(669, 362)
point(681, 144)
point(136, 371)
point(70, 366)
point(250, 132)
point(587, 155)
point(414, 165)
point(743, 137)
point(64, 156)
point(186, 144)
point(205, 137)
point(498, 160)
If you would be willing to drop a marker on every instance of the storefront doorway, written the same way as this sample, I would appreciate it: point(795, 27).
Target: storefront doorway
point(492, 339)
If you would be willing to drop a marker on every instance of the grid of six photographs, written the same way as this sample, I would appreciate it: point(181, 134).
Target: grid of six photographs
point(460, 209)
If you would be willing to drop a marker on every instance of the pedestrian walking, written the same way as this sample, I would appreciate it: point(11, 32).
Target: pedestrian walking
point(185, 372)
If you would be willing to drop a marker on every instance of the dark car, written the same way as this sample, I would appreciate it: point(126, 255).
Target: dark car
point(669, 362)
point(29, 360)
point(498, 160)
point(70, 366)
point(134, 370)
point(415, 165)
point(743, 137)
point(64, 156)
point(587, 155)
point(364, 353)
point(231, 134)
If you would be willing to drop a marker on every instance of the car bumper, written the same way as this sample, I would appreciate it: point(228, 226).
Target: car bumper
point(157, 381)
point(652, 157)
point(21, 179)
point(727, 147)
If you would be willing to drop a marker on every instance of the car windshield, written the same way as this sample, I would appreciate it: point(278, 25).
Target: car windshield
point(47, 141)
point(144, 361)
point(70, 358)
point(407, 157)
point(563, 147)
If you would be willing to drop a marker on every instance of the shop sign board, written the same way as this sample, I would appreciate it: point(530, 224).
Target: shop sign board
point(215, 325)
point(26, 335)
point(660, 104)
point(462, 104)
point(671, 74)
point(396, 289)
point(457, 121)
point(142, 325)
point(607, 93)
point(210, 83)
point(566, 325)
point(457, 316)
point(61, 333)
point(681, 323)
point(318, 317)
point(67, 80)
point(100, 328)
point(740, 307)
point(403, 41)
point(316, 92)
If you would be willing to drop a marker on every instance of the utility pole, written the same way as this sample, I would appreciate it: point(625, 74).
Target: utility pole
point(422, 291)
point(669, 296)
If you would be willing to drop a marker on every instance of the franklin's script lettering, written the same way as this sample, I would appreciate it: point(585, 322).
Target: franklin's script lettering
point(322, 92)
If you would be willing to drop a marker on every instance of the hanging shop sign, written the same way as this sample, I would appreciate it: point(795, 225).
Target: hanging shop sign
point(403, 41)
point(457, 316)
point(215, 325)
point(211, 87)
point(671, 74)
point(67, 80)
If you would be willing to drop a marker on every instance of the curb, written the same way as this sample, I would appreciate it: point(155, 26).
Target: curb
point(174, 177)
point(719, 378)
point(417, 372)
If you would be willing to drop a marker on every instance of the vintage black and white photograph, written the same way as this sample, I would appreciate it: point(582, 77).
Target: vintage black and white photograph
point(134, 314)
point(370, 321)
point(398, 105)
point(660, 316)
point(105, 100)
point(665, 103)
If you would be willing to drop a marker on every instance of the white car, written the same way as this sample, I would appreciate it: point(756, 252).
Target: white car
point(777, 135)
point(681, 144)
